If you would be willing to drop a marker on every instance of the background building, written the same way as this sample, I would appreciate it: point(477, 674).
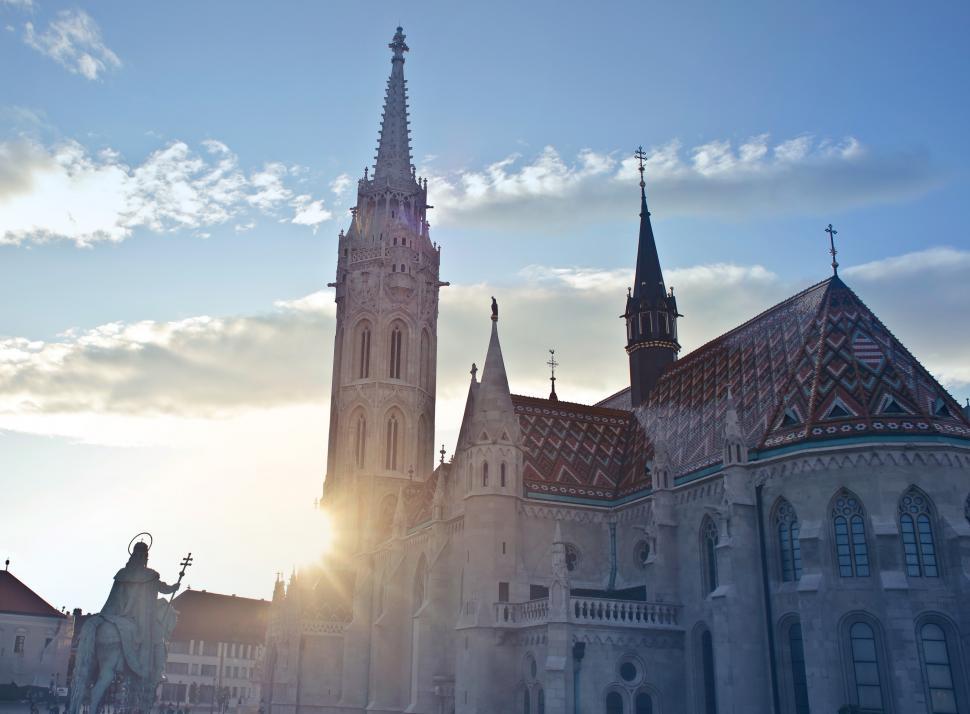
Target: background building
point(216, 652)
point(35, 638)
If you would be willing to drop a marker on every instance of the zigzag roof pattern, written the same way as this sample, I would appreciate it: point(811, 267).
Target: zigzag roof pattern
point(818, 366)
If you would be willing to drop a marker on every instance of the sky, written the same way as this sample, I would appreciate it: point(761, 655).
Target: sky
point(173, 177)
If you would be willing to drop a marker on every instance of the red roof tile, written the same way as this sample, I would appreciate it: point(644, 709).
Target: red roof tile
point(17, 598)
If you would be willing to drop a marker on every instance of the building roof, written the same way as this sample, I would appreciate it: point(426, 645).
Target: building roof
point(16, 598)
point(818, 366)
point(576, 450)
point(220, 618)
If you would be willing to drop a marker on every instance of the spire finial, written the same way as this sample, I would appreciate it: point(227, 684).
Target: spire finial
point(397, 45)
point(835, 264)
point(494, 309)
point(473, 371)
point(552, 375)
point(442, 452)
point(640, 155)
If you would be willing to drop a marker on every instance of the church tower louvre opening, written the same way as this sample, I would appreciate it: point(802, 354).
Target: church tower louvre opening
point(385, 347)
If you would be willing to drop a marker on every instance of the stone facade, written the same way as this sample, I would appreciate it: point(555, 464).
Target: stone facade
point(779, 522)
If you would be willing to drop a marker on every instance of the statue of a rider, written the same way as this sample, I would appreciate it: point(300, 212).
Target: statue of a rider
point(126, 638)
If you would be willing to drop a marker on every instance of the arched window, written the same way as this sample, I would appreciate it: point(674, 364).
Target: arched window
point(485, 474)
point(796, 658)
point(709, 553)
point(643, 704)
point(526, 701)
point(540, 701)
point(397, 350)
point(363, 352)
point(851, 546)
point(360, 439)
point(391, 447)
point(614, 703)
point(789, 545)
point(502, 474)
point(916, 526)
point(708, 676)
point(865, 667)
point(937, 670)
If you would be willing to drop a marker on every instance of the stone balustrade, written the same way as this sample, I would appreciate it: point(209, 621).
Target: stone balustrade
point(591, 611)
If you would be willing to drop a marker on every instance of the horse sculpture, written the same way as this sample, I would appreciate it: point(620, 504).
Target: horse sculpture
point(126, 639)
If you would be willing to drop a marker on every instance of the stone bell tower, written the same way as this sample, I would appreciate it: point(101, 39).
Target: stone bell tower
point(383, 389)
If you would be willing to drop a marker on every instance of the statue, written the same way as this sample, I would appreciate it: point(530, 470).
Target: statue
point(494, 308)
point(127, 637)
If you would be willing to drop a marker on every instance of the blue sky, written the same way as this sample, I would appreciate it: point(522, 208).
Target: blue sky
point(173, 177)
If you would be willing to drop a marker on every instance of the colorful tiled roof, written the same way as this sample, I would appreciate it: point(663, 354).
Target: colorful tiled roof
point(17, 598)
point(817, 366)
point(574, 450)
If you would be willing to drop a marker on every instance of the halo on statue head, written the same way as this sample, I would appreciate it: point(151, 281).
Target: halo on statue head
point(131, 543)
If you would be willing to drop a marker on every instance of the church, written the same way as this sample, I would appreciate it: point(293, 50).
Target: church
point(777, 522)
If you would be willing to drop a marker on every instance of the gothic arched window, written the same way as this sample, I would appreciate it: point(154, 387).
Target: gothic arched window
point(796, 660)
point(644, 703)
point(360, 440)
point(709, 553)
point(938, 669)
point(397, 348)
point(865, 667)
point(502, 474)
point(708, 676)
point(526, 701)
point(916, 526)
point(420, 585)
point(363, 353)
point(391, 447)
point(485, 474)
point(789, 545)
point(540, 701)
point(851, 546)
point(614, 703)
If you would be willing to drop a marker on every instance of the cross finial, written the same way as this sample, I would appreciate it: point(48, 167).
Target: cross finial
point(552, 374)
point(640, 155)
point(832, 233)
point(442, 452)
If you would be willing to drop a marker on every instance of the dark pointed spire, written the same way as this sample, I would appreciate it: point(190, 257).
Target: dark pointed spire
point(394, 146)
point(651, 311)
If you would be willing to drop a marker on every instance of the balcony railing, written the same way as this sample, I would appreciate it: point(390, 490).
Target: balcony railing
point(593, 612)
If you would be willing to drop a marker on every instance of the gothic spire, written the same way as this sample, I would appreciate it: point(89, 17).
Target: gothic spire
point(492, 413)
point(394, 145)
point(649, 279)
point(651, 311)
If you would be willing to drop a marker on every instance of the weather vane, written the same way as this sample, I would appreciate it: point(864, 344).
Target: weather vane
point(552, 377)
point(832, 233)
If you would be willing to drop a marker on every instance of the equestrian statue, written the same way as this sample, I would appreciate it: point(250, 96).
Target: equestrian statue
point(127, 639)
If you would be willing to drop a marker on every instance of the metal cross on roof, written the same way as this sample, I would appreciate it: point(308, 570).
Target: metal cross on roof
point(640, 155)
point(832, 233)
point(552, 376)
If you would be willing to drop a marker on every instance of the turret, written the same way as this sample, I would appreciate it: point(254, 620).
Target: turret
point(651, 311)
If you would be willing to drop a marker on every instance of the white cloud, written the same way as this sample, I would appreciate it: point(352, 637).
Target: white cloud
point(65, 192)
point(23, 4)
point(340, 184)
point(73, 40)
point(756, 177)
point(137, 382)
point(309, 212)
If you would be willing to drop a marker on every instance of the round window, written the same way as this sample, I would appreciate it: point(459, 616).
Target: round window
point(642, 552)
point(628, 671)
